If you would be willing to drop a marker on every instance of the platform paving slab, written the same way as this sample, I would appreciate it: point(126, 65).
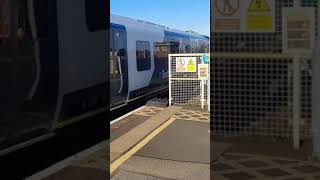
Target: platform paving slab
point(263, 158)
point(79, 173)
point(98, 160)
point(182, 141)
point(125, 175)
point(217, 149)
point(132, 137)
point(265, 146)
point(167, 169)
point(233, 166)
point(125, 125)
point(181, 151)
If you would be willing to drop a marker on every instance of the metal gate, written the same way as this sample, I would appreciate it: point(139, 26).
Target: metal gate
point(186, 86)
point(259, 87)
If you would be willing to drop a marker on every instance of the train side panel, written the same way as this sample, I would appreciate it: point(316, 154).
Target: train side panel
point(82, 58)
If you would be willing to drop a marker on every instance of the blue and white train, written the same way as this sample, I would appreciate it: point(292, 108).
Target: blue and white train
point(139, 51)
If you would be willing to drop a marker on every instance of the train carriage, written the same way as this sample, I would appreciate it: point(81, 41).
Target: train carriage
point(139, 56)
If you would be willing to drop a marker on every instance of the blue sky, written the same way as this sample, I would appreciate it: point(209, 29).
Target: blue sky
point(179, 14)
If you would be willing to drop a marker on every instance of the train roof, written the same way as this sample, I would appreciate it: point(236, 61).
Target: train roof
point(140, 23)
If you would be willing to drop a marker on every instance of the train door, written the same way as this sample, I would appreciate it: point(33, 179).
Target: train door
point(118, 65)
point(28, 68)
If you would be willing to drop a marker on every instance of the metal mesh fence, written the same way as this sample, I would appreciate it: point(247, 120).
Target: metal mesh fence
point(254, 96)
point(185, 92)
point(253, 83)
point(185, 86)
point(306, 88)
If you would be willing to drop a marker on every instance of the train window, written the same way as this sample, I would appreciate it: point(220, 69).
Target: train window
point(165, 48)
point(96, 12)
point(143, 55)
point(159, 47)
point(188, 48)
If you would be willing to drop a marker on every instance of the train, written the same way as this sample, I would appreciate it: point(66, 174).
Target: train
point(54, 64)
point(139, 56)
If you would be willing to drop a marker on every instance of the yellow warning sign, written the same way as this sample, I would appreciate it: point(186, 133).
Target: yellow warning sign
point(259, 6)
point(263, 22)
point(186, 64)
point(191, 65)
point(243, 16)
point(259, 17)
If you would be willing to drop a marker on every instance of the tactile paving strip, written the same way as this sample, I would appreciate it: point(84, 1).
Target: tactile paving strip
point(149, 111)
point(233, 166)
point(183, 114)
point(192, 115)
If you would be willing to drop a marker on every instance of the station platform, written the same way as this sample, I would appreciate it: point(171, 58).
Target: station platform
point(153, 142)
point(162, 143)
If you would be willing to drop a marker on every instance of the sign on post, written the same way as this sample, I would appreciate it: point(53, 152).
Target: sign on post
point(298, 29)
point(205, 58)
point(244, 15)
point(259, 16)
point(186, 64)
point(192, 64)
point(203, 71)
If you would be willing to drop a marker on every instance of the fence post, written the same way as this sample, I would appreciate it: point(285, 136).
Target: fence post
point(296, 3)
point(208, 86)
point(296, 97)
point(315, 96)
point(169, 68)
point(202, 93)
point(296, 102)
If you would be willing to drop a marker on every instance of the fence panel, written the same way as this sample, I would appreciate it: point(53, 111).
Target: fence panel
point(185, 85)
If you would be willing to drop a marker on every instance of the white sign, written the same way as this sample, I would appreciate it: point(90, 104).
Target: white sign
point(298, 29)
point(243, 15)
point(203, 71)
point(186, 64)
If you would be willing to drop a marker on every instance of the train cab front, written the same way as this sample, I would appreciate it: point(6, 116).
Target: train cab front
point(28, 90)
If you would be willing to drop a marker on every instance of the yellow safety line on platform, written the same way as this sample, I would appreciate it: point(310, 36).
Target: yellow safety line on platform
point(140, 145)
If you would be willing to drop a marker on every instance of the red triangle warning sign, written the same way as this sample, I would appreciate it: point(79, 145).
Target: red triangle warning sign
point(259, 6)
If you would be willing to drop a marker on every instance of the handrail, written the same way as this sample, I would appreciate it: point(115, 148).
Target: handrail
point(119, 62)
point(36, 49)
